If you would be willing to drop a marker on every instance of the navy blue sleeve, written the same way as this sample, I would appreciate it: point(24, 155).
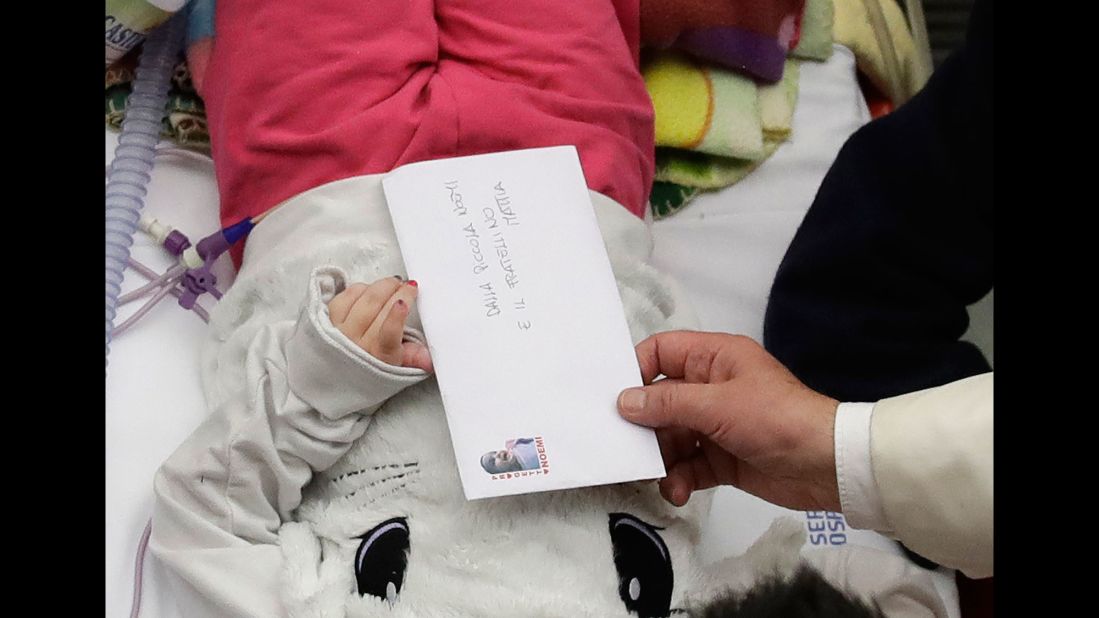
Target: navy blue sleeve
point(870, 298)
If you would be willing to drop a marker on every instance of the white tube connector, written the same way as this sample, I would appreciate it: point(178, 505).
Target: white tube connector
point(159, 231)
point(190, 258)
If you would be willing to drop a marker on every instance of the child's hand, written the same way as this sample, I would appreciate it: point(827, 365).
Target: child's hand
point(373, 316)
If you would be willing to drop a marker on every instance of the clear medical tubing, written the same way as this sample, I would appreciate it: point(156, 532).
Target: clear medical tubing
point(133, 161)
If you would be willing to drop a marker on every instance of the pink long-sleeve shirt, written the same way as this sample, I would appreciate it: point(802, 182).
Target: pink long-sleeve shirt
point(302, 94)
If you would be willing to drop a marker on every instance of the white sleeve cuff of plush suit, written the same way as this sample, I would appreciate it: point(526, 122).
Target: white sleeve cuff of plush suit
point(859, 495)
point(329, 371)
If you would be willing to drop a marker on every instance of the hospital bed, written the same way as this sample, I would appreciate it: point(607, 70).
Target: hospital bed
point(724, 248)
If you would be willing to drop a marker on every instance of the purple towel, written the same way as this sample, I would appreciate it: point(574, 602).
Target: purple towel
point(736, 49)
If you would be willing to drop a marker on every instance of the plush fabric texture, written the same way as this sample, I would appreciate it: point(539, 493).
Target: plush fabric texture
point(550, 552)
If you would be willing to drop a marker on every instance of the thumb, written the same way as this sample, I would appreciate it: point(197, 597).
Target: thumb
point(668, 403)
point(415, 354)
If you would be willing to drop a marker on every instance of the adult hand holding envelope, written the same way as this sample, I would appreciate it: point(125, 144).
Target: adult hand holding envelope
point(728, 413)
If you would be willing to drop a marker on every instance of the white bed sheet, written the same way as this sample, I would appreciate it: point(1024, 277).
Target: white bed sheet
point(724, 248)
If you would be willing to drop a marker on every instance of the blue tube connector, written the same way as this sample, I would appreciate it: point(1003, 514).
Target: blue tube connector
point(235, 232)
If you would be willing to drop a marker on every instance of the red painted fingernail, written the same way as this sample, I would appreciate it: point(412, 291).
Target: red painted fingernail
point(413, 283)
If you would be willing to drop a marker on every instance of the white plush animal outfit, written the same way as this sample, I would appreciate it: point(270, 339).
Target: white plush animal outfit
point(322, 472)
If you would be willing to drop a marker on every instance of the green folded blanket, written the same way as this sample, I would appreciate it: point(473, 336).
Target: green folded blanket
point(816, 31)
point(715, 126)
point(769, 121)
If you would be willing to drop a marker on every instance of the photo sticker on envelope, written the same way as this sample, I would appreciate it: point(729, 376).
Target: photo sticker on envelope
point(522, 456)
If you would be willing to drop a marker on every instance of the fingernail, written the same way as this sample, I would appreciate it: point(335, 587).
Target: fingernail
point(413, 283)
point(632, 400)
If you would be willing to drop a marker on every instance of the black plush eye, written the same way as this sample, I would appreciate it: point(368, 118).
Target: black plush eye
point(382, 558)
point(644, 566)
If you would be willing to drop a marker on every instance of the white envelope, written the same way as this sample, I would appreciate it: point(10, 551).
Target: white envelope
point(523, 320)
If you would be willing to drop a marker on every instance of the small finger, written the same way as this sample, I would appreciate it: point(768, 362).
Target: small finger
point(369, 305)
point(391, 331)
point(340, 305)
point(415, 354)
point(373, 337)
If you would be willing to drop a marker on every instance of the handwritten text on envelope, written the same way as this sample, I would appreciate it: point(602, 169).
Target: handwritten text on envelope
point(523, 320)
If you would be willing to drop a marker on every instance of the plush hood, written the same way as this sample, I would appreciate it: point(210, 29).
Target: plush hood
point(390, 517)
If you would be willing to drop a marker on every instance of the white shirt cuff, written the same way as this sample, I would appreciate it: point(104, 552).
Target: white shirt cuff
point(859, 496)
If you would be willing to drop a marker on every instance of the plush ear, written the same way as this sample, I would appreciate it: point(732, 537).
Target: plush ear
point(775, 555)
point(889, 580)
point(778, 551)
point(301, 550)
point(806, 594)
point(313, 587)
